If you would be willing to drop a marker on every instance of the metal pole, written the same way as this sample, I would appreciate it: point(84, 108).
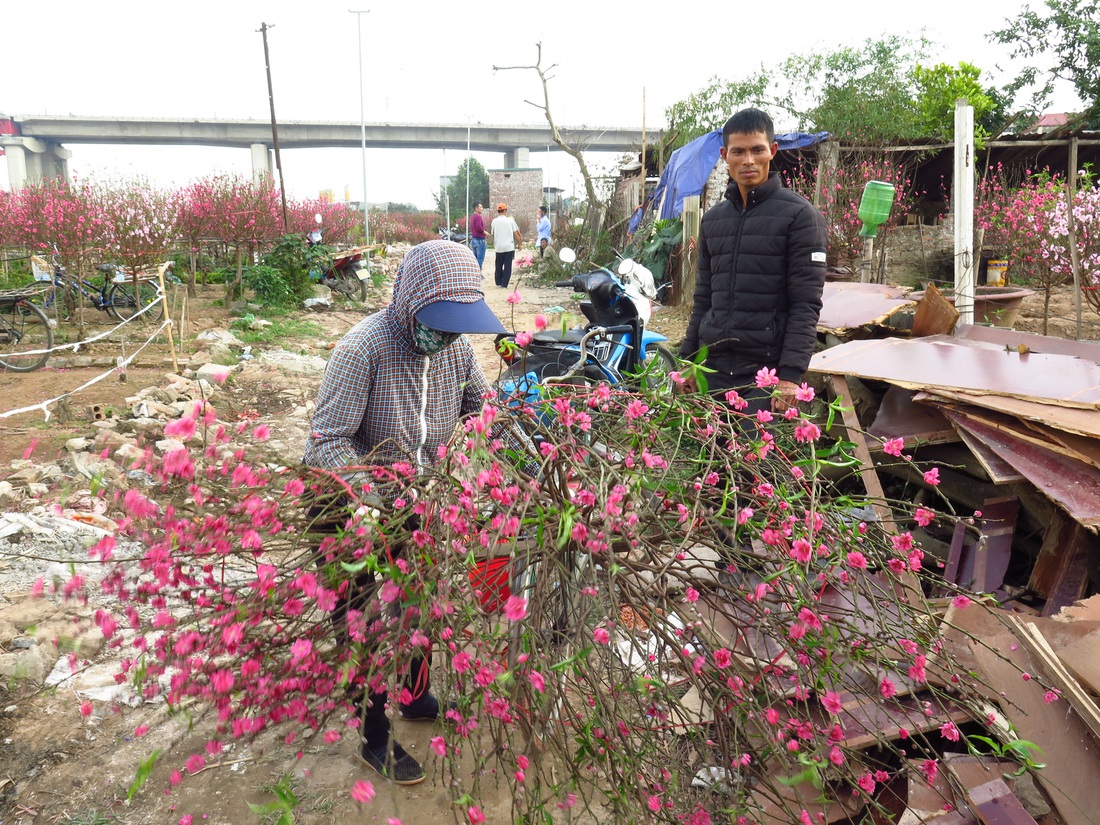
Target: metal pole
point(446, 195)
point(469, 237)
point(363, 128)
point(274, 127)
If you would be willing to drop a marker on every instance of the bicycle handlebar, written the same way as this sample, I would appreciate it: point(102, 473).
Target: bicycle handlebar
point(582, 345)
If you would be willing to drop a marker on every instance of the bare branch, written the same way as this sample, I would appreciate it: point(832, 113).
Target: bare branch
point(574, 151)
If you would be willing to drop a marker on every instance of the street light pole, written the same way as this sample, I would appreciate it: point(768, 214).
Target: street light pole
point(363, 127)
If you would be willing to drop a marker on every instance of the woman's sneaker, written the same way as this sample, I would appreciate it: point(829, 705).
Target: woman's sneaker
point(399, 767)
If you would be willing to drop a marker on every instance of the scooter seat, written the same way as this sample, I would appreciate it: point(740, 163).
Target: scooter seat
point(556, 336)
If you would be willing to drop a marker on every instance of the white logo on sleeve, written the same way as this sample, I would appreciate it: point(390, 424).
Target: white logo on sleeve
point(817, 257)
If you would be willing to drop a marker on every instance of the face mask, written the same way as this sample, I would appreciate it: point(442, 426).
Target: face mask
point(431, 341)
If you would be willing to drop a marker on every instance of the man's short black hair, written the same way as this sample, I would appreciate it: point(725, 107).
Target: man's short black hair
point(748, 122)
point(545, 211)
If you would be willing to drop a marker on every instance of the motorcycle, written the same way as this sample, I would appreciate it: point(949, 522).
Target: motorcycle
point(345, 270)
point(613, 346)
point(453, 234)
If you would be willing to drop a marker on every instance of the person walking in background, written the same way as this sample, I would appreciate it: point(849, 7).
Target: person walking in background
point(543, 228)
point(506, 239)
point(477, 235)
point(761, 273)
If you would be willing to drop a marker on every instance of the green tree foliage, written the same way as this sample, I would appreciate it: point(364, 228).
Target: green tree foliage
point(938, 89)
point(709, 108)
point(455, 194)
point(1061, 44)
point(876, 92)
point(861, 92)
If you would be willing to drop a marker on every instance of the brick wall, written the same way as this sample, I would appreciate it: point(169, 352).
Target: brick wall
point(521, 189)
point(919, 253)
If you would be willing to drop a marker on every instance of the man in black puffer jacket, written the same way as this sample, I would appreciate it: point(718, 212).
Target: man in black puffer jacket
point(761, 273)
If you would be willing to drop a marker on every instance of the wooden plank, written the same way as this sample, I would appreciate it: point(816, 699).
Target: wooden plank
point(931, 804)
point(877, 721)
point(783, 805)
point(1057, 673)
point(899, 416)
point(867, 467)
point(1071, 777)
point(995, 804)
point(1082, 659)
point(998, 470)
point(969, 771)
point(1083, 610)
point(935, 315)
point(935, 362)
point(870, 478)
point(1082, 422)
point(1081, 447)
point(981, 564)
point(1061, 570)
point(1072, 484)
point(846, 306)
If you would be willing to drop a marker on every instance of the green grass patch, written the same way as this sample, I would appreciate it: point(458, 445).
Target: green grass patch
point(282, 330)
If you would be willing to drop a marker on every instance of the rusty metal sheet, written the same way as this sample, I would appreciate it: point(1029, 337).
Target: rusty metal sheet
point(934, 362)
point(1072, 484)
point(848, 305)
point(1045, 344)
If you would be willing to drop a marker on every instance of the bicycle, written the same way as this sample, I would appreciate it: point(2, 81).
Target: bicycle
point(26, 336)
point(116, 296)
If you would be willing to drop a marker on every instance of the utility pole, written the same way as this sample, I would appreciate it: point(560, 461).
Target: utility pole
point(363, 128)
point(274, 126)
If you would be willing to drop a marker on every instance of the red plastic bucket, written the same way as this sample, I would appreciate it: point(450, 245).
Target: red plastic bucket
point(490, 577)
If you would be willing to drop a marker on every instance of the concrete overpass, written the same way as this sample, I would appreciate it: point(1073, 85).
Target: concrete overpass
point(34, 150)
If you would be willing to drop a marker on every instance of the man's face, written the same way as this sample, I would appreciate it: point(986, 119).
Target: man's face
point(478, 209)
point(749, 157)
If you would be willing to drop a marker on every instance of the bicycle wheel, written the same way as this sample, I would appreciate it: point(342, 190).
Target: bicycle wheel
point(121, 302)
point(25, 336)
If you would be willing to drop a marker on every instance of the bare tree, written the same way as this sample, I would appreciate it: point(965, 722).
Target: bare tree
point(545, 76)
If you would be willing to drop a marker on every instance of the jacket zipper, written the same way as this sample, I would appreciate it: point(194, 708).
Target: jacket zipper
point(423, 414)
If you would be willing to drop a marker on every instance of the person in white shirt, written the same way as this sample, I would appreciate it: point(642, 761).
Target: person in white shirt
point(506, 238)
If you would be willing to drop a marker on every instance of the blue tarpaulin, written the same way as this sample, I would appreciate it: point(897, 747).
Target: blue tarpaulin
point(689, 167)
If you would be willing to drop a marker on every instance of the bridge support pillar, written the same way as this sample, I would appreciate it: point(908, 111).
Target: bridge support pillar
point(518, 158)
point(261, 162)
point(31, 161)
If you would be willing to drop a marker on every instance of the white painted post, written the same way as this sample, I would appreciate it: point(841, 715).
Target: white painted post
point(964, 211)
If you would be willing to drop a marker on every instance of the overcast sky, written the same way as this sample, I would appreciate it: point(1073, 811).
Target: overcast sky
point(424, 61)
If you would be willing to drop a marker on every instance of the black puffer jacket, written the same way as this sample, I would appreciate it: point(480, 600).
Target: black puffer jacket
point(761, 275)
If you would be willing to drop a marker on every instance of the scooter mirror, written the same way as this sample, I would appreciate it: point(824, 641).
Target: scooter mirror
point(626, 266)
point(318, 217)
point(566, 255)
